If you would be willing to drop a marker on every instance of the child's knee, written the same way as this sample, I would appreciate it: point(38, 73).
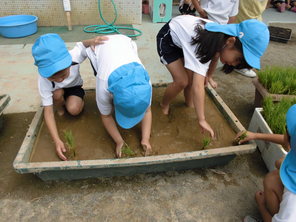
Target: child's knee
point(182, 83)
point(74, 109)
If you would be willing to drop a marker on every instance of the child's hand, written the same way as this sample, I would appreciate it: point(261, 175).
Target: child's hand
point(244, 136)
point(206, 127)
point(213, 83)
point(60, 149)
point(97, 41)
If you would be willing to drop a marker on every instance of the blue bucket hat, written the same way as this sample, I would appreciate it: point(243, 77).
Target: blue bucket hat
point(253, 34)
point(51, 54)
point(288, 167)
point(131, 89)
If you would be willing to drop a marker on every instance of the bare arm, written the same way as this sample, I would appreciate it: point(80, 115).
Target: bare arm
point(274, 138)
point(51, 125)
point(198, 100)
point(146, 131)
point(212, 67)
point(113, 131)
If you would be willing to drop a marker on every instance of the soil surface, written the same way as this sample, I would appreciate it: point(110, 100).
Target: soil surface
point(178, 132)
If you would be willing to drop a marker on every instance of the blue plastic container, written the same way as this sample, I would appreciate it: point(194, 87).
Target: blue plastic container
point(16, 26)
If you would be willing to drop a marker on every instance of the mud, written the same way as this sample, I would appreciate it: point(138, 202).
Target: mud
point(175, 133)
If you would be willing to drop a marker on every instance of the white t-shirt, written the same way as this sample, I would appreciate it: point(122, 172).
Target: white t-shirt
point(118, 50)
point(46, 87)
point(220, 10)
point(287, 212)
point(182, 30)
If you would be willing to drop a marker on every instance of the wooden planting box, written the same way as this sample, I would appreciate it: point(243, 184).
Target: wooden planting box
point(78, 169)
point(270, 152)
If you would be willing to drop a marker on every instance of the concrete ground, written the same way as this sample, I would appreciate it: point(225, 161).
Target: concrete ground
point(225, 193)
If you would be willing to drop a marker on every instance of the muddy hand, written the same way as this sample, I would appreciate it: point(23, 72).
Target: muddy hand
point(60, 149)
point(119, 149)
point(206, 127)
point(147, 149)
point(244, 136)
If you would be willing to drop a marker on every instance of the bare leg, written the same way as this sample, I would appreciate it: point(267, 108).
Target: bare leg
point(188, 94)
point(74, 105)
point(180, 81)
point(59, 102)
point(146, 131)
point(273, 191)
point(260, 199)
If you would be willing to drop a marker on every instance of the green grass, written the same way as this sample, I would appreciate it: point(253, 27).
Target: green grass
point(279, 80)
point(68, 135)
point(206, 142)
point(127, 151)
point(275, 114)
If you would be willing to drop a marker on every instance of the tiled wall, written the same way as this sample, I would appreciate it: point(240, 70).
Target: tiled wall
point(83, 12)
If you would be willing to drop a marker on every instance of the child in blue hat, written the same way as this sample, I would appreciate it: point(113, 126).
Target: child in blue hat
point(277, 202)
point(122, 86)
point(59, 82)
point(190, 47)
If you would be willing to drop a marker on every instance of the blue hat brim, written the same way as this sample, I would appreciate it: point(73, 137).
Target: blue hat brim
point(48, 71)
point(288, 167)
point(288, 172)
point(252, 60)
point(128, 122)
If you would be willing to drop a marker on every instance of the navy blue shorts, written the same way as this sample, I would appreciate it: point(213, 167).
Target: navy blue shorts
point(74, 91)
point(166, 48)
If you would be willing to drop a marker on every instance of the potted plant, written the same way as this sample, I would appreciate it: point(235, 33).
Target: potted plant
point(271, 119)
point(275, 82)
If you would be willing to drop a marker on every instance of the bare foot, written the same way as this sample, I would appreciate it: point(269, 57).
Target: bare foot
point(213, 83)
point(147, 149)
point(259, 197)
point(165, 109)
point(118, 149)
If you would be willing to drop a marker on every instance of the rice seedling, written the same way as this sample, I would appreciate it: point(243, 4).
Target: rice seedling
point(279, 80)
point(275, 113)
point(241, 137)
point(127, 151)
point(68, 135)
point(206, 142)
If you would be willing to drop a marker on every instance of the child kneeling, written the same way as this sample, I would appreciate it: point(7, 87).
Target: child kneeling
point(278, 200)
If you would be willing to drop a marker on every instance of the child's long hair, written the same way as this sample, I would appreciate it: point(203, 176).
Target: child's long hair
point(209, 43)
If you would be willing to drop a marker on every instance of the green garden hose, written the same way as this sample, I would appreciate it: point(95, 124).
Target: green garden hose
point(109, 27)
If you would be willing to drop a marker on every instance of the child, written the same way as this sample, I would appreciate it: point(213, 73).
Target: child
point(219, 11)
point(278, 200)
point(59, 83)
point(190, 49)
point(122, 85)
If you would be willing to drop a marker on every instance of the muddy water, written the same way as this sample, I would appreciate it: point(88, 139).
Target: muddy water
point(178, 132)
